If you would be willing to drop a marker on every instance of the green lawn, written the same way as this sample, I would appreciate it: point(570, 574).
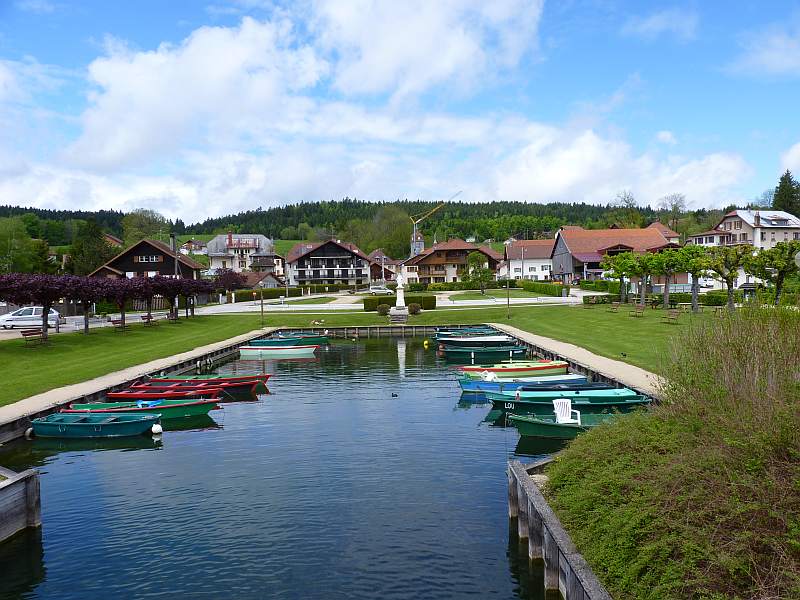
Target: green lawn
point(282, 247)
point(71, 358)
point(320, 300)
point(496, 293)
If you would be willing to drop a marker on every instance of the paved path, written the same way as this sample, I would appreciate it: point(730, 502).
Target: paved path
point(626, 374)
point(62, 395)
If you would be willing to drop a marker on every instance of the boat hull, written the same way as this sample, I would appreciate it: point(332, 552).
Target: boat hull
point(546, 427)
point(130, 395)
point(167, 409)
point(579, 394)
point(305, 338)
point(521, 369)
point(545, 406)
point(485, 352)
point(278, 351)
point(478, 341)
point(84, 426)
point(245, 390)
point(469, 384)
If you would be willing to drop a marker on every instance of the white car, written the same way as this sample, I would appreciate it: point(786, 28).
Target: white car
point(380, 290)
point(30, 316)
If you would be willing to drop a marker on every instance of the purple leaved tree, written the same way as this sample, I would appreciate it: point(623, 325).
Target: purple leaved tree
point(169, 288)
point(119, 291)
point(86, 290)
point(190, 288)
point(40, 290)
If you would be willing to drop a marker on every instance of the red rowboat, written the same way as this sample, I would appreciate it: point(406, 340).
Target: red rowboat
point(262, 377)
point(234, 387)
point(130, 394)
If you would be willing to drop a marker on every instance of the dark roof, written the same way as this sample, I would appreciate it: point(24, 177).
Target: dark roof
point(114, 239)
point(664, 229)
point(533, 249)
point(454, 244)
point(253, 278)
point(195, 266)
point(300, 250)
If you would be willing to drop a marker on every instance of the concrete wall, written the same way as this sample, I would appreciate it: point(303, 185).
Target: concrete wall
point(20, 506)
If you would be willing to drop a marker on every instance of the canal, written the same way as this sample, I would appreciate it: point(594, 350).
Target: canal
point(360, 475)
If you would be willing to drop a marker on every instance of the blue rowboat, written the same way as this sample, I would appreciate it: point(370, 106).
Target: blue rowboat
point(304, 337)
point(591, 394)
point(544, 406)
point(272, 342)
point(499, 385)
point(64, 425)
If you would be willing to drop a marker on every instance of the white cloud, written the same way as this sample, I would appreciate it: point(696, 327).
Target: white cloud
point(36, 6)
point(405, 48)
point(791, 159)
point(772, 52)
point(680, 23)
point(666, 137)
point(215, 82)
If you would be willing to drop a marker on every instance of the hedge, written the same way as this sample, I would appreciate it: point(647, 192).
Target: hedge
point(548, 289)
point(426, 302)
point(455, 286)
point(601, 285)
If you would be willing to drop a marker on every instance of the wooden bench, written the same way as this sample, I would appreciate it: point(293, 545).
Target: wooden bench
point(638, 311)
point(613, 308)
point(119, 325)
point(32, 337)
point(172, 318)
point(149, 320)
point(671, 316)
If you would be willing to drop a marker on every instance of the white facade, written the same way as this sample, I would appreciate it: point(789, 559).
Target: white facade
point(237, 251)
point(535, 269)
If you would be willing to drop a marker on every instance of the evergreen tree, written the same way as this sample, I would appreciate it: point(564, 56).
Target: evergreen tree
point(787, 194)
point(90, 249)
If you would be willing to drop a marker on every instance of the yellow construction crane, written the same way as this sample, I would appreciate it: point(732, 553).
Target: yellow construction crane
point(420, 217)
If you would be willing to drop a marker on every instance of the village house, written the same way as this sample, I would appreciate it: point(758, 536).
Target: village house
point(329, 262)
point(380, 261)
point(148, 258)
point(194, 247)
point(527, 259)
point(578, 252)
point(445, 262)
point(237, 251)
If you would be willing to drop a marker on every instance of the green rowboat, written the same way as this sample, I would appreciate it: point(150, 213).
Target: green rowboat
point(304, 338)
point(60, 425)
point(169, 409)
point(590, 394)
point(544, 406)
point(546, 426)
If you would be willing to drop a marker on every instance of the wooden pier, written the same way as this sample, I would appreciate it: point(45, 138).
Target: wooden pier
point(565, 570)
point(20, 505)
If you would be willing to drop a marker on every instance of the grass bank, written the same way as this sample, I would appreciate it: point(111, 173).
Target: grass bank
point(71, 358)
point(700, 498)
point(494, 293)
point(320, 300)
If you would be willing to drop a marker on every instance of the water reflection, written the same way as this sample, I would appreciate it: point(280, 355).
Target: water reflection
point(21, 564)
point(527, 574)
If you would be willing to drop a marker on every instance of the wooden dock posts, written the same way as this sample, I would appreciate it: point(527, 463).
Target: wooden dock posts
point(20, 504)
point(565, 569)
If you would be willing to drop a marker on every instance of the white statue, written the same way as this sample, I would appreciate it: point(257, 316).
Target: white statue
point(401, 298)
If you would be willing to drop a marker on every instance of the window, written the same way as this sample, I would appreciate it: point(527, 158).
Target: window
point(545, 267)
point(737, 224)
point(742, 237)
point(796, 235)
point(785, 235)
point(224, 264)
point(37, 312)
point(130, 274)
point(726, 225)
point(517, 270)
point(763, 236)
point(25, 312)
point(532, 269)
point(150, 258)
point(710, 239)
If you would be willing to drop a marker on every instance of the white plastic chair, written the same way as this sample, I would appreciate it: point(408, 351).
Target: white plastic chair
point(488, 376)
point(563, 409)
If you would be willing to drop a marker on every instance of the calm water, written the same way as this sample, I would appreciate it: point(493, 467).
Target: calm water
point(360, 476)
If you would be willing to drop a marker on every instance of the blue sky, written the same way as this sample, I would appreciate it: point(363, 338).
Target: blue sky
point(200, 109)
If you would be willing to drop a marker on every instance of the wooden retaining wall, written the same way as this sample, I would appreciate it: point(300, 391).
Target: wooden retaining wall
point(20, 505)
point(565, 569)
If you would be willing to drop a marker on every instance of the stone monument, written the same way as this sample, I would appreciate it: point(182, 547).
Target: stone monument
point(399, 312)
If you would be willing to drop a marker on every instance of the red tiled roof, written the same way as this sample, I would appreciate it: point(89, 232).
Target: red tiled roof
point(253, 278)
point(454, 244)
point(587, 244)
point(663, 229)
point(533, 249)
point(300, 250)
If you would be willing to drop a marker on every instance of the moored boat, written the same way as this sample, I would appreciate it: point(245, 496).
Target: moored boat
point(263, 377)
point(544, 406)
point(468, 384)
point(271, 342)
point(168, 409)
point(278, 351)
point(484, 352)
point(305, 337)
point(226, 389)
point(134, 394)
point(491, 341)
point(518, 369)
point(546, 426)
point(534, 393)
point(62, 425)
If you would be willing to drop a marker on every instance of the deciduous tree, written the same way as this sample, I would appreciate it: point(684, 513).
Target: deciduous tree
point(666, 263)
point(695, 263)
point(726, 261)
point(774, 265)
point(620, 266)
point(477, 273)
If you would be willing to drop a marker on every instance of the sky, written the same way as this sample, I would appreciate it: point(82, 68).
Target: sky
point(201, 109)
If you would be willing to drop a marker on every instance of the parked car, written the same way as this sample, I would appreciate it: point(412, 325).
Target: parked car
point(380, 290)
point(30, 316)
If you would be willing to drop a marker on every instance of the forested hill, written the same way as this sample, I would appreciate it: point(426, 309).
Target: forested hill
point(108, 220)
point(455, 218)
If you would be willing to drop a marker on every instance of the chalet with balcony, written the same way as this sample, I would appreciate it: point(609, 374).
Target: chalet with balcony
point(148, 258)
point(759, 228)
point(444, 262)
point(237, 251)
point(329, 262)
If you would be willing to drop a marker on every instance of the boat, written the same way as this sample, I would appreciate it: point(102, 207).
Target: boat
point(534, 393)
point(477, 341)
point(470, 352)
point(545, 426)
point(528, 368)
point(227, 389)
point(278, 351)
point(262, 377)
point(168, 409)
point(102, 425)
point(544, 406)
point(305, 337)
point(468, 384)
point(187, 395)
point(274, 341)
